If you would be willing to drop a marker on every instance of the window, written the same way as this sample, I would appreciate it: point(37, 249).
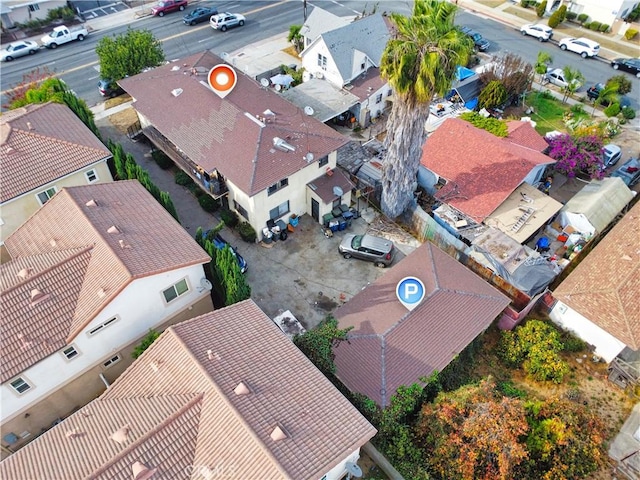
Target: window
point(322, 61)
point(96, 329)
point(20, 385)
point(323, 161)
point(241, 210)
point(336, 203)
point(362, 65)
point(278, 186)
point(279, 211)
point(43, 197)
point(91, 175)
point(389, 92)
point(378, 98)
point(34, 7)
point(70, 352)
point(111, 361)
point(173, 292)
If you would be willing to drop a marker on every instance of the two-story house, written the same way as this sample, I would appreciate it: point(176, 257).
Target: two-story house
point(224, 395)
point(43, 148)
point(252, 149)
point(90, 274)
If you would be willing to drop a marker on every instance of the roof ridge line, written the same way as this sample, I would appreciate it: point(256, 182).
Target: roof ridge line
point(49, 138)
point(226, 400)
point(81, 251)
point(120, 455)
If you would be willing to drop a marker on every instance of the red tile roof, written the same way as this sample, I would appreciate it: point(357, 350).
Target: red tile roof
point(41, 143)
point(72, 256)
point(185, 420)
point(523, 133)
point(482, 170)
point(390, 346)
point(604, 286)
point(223, 134)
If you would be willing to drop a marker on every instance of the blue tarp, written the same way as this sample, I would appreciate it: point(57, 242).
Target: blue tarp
point(463, 72)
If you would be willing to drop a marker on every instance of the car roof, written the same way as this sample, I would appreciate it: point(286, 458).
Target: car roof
point(612, 148)
point(587, 41)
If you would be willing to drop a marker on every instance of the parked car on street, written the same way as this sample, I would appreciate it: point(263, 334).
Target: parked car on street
point(542, 32)
point(378, 250)
point(611, 154)
point(109, 88)
point(17, 49)
point(479, 42)
point(582, 46)
point(629, 172)
point(199, 15)
point(61, 34)
point(168, 6)
point(594, 92)
point(223, 21)
point(631, 65)
point(556, 76)
point(220, 243)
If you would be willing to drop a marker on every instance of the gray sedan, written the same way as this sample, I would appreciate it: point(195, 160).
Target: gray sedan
point(17, 49)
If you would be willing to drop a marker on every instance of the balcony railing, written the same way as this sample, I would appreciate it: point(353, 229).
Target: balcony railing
point(213, 183)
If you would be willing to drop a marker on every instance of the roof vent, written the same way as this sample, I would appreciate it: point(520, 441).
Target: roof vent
point(121, 435)
point(278, 433)
point(242, 389)
point(155, 365)
point(37, 296)
point(113, 229)
point(142, 472)
point(10, 149)
point(176, 92)
point(123, 245)
point(91, 203)
point(73, 434)
point(29, 126)
point(24, 273)
point(26, 343)
point(102, 293)
point(282, 145)
point(53, 242)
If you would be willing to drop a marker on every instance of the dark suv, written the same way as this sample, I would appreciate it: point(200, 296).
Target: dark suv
point(109, 88)
point(478, 41)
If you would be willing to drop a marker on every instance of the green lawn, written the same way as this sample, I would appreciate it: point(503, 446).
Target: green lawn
point(548, 113)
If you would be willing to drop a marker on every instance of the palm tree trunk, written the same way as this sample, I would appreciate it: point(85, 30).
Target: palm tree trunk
point(405, 136)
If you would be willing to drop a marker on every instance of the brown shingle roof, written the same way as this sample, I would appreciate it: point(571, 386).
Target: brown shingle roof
point(153, 243)
point(390, 346)
point(323, 186)
point(40, 143)
point(365, 85)
point(604, 286)
point(178, 399)
point(222, 134)
point(482, 170)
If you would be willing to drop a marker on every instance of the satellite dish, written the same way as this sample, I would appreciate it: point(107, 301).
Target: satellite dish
point(308, 110)
point(309, 157)
point(206, 284)
point(353, 470)
point(224, 55)
point(264, 82)
point(337, 191)
point(278, 88)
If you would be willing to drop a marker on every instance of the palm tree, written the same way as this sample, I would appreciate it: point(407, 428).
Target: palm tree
point(606, 96)
point(542, 63)
point(574, 79)
point(419, 63)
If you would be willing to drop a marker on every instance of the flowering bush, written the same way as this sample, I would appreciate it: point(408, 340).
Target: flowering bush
point(579, 154)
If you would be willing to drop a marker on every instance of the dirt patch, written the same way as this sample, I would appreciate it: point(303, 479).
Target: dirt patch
point(291, 51)
point(114, 102)
point(490, 3)
point(370, 471)
point(124, 119)
point(519, 12)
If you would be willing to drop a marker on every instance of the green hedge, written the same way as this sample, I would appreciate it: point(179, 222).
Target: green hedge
point(583, 17)
point(163, 161)
point(612, 110)
point(247, 232)
point(630, 34)
point(595, 26)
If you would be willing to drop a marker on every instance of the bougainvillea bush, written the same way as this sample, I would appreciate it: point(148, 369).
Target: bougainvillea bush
point(577, 155)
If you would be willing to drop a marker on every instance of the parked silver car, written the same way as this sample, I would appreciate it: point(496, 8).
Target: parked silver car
point(542, 32)
point(556, 76)
point(223, 21)
point(378, 250)
point(18, 49)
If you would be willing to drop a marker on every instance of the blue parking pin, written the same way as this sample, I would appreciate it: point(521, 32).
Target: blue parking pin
point(410, 291)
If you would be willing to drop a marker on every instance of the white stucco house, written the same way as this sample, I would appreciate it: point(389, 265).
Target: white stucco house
point(21, 11)
point(609, 12)
point(89, 276)
point(263, 156)
point(598, 299)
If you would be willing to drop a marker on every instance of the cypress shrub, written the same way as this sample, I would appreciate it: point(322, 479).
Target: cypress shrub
point(628, 113)
point(229, 218)
point(603, 28)
point(595, 26)
point(247, 232)
point(630, 34)
point(555, 19)
point(208, 204)
point(163, 161)
point(181, 178)
point(571, 16)
point(612, 110)
point(583, 17)
point(540, 9)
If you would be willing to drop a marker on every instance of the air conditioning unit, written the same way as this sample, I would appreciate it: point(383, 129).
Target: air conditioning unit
point(319, 75)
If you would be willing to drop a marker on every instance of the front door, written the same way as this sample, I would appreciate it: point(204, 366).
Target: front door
point(315, 209)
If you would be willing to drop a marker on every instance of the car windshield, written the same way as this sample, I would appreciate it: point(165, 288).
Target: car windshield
point(356, 242)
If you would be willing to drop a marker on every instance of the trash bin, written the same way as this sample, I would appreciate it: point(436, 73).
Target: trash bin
point(326, 218)
point(343, 224)
point(348, 217)
point(334, 225)
point(293, 220)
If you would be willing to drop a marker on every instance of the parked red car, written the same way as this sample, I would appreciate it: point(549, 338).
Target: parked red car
point(168, 6)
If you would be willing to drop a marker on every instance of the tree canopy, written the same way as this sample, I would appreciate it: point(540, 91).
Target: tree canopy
point(128, 54)
point(419, 62)
point(576, 155)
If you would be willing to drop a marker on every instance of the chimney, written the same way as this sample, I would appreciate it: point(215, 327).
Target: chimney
point(29, 126)
point(123, 245)
point(141, 471)
point(121, 435)
point(278, 434)
point(113, 229)
point(242, 389)
point(91, 203)
point(53, 242)
point(24, 273)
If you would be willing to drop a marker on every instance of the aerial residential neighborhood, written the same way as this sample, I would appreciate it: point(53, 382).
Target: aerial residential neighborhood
point(297, 241)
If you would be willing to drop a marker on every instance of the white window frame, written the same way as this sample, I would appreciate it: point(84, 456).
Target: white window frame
point(70, 352)
point(91, 173)
point(112, 361)
point(34, 7)
point(322, 61)
point(176, 291)
point(103, 325)
point(46, 192)
point(24, 382)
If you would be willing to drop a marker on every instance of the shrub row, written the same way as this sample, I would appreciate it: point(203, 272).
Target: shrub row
point(596, 26)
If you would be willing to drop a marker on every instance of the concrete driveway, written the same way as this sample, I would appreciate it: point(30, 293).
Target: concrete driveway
point(305, 273)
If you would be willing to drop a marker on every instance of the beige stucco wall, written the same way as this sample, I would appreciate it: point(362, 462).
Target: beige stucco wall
point(80, 391)
point(20, 10)
point(17, 210)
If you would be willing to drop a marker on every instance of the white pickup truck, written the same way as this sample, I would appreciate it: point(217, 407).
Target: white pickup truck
point(62, 34)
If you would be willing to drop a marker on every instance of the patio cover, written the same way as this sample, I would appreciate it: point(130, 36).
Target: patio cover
point(325, 99)
point(598, 203)
point(512, 216)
